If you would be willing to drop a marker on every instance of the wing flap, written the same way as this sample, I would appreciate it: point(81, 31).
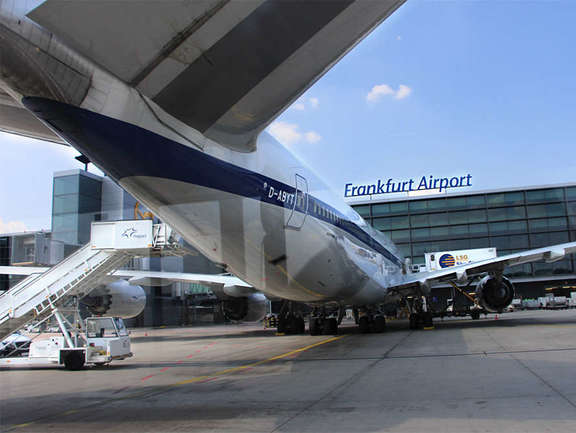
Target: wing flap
point(17, 120)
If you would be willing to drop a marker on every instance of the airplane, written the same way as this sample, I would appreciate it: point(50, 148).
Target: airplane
point(171, 100)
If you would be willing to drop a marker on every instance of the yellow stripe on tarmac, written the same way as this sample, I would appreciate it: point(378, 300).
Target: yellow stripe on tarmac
point(192, 380)
point(255, 364)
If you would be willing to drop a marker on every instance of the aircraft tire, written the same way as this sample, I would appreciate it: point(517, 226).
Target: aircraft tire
point(379, 324)
point(300, 325)
point(330, 326)
point(415, 321)
point(314, 326)
point(74, 360)
point(364, 325)
point(475, 314)
point(427, 320)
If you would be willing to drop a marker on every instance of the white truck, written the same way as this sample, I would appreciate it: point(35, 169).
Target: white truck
point(105, 339)
point(446, 259)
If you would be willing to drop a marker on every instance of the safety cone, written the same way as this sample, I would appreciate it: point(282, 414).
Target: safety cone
point(496, 317)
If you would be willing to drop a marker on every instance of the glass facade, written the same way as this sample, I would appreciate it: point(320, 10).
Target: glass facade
point(4, 261)
point(510, 221)
point(76, 202)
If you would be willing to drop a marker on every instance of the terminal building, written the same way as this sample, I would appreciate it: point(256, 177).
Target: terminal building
point(510, 220)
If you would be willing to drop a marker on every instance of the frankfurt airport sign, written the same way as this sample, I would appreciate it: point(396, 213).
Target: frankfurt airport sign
point(424, 183)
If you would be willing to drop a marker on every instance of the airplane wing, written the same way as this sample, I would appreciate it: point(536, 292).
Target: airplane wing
point(147, 277)
point(164, 278)
point(424, 280)
point(224, 67)
point(221, 285)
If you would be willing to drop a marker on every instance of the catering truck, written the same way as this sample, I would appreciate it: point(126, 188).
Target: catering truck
point(446, 259)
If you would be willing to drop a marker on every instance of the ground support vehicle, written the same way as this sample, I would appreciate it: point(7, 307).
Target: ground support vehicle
point(96, 341)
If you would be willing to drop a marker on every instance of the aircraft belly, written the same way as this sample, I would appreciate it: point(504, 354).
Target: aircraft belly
point(251, 238)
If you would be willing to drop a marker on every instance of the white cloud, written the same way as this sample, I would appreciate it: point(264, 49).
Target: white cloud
point(378, 91)
point(403, 92)
point(303, 104)
point(312, 137)
point(12, 226)
point(381, 90)
point(290, 134)
point(285, 133)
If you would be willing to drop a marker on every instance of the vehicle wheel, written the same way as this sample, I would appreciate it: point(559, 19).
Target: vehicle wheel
point(74, 360)
point(379, 324)
point(415, 321)
point(427, 321)
point(475, 314)
point(364, 324)
point(314, 326)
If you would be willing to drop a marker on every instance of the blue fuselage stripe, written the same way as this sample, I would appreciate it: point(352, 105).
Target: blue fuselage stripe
point(126, 150)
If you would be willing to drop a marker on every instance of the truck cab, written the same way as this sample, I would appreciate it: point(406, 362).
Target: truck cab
point(107, 339)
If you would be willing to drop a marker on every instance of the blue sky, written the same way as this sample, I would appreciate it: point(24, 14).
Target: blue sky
point(480, 87)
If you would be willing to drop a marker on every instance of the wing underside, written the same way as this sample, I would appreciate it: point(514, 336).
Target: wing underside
point(224, 67)
point(17, 120)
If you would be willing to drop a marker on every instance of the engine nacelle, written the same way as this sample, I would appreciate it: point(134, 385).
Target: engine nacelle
point(251, 308)
point(494, 296)
point(117, 299)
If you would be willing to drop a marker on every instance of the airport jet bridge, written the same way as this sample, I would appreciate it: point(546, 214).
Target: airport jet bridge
point(111, 245)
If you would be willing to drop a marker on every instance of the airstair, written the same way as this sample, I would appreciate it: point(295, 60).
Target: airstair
point(112, 244)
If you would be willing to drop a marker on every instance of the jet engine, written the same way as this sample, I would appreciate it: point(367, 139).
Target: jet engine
point(494, 295)
point(118, 299)
point(251, 308)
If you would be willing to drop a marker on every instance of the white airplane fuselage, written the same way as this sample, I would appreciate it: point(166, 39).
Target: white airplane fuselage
point(264, 214)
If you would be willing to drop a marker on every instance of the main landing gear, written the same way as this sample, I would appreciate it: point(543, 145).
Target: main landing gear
point(369, 320)
point(290, 322)
point(325, 323)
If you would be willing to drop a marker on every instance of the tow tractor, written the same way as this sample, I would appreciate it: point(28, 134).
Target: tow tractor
point(99, 341)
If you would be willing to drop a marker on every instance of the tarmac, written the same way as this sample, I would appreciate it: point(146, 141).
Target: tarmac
point(513, 374)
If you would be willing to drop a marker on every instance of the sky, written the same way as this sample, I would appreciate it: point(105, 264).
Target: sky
point(441, 88)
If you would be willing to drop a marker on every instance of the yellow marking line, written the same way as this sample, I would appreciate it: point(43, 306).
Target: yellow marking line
point(255, 364)
point(192, 380)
